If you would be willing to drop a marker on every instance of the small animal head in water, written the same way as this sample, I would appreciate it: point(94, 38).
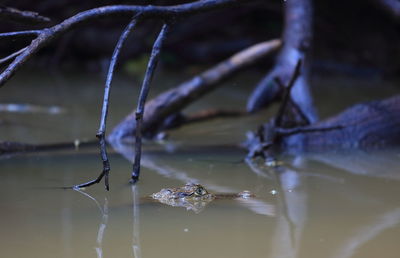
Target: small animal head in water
point(188, 191)
point(191, 196)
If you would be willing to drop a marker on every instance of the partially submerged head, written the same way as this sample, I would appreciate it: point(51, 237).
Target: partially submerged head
point(191, 196)
point(188, 191)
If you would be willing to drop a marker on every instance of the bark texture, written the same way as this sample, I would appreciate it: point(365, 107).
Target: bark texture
point(374, 124)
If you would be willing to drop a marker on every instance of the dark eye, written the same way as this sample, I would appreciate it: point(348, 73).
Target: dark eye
point(200, 191)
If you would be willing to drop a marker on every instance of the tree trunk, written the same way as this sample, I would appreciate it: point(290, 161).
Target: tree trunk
point(297, 38)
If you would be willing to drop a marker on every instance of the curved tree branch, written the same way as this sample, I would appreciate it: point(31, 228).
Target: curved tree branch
point(19, 34)
point(160, 12)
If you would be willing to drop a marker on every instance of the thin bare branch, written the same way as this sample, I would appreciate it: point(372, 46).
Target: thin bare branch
point(28, 17)
point(144, 91)
point(20, 34)
point(13, 55)
point(102, 128)
point(286, 97)
point(309, 129)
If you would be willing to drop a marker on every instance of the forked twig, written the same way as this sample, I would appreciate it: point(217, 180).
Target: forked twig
point(102, 128)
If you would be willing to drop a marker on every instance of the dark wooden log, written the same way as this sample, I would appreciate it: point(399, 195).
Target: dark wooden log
point(373, 124)
point(174, 100)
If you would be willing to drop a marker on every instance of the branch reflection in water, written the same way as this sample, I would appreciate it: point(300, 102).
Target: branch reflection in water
point(374, 164)
point(369, 232)
point(136, 222)
point(103, 223)
point(104, 220)
point(292, 202)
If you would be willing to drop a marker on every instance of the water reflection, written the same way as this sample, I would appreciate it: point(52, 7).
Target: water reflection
point(103, 224)
point(367, 233)
point(315, 209)
point(104, 211)
point(293, 200)
point(371, 163)
point(102, 227)
point(335, 205)
point(136, 222)
point(292, 204)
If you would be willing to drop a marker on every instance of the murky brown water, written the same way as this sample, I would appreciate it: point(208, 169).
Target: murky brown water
point(318, 205)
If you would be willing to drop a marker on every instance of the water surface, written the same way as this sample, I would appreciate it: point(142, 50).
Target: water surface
point(340, 204)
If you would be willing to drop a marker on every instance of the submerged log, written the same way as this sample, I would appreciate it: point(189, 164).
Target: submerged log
point(374, 124)
point(174, 100)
